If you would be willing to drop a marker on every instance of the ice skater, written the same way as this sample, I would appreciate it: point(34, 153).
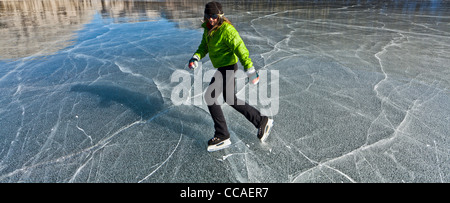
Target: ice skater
point(225, 47)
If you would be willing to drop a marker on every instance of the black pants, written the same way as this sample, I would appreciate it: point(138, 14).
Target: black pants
point(224, 82)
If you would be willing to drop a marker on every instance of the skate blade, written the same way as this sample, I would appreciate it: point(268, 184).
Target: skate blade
point(267, 130)
point(219, 146)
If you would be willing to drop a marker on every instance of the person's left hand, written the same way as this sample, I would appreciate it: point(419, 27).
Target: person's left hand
point(253, 75)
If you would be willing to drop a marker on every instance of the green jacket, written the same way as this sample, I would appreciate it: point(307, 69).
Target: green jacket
point(225, 47)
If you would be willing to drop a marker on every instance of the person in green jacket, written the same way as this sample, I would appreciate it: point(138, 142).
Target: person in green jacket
point(225, 47)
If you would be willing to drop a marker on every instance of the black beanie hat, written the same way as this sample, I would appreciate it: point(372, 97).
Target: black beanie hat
point(213, 8)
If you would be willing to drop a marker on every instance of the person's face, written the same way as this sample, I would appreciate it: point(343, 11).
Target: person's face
point(213, 22)
point(212, 19)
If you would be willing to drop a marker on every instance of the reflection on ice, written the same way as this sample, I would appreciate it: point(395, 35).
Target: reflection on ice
point(363, 93)
point(41, 27)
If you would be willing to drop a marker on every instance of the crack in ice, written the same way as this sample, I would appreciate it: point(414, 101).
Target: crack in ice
point(167, 159)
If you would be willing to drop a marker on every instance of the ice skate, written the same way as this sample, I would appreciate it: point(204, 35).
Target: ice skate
point(216, 144)
point(264, 129)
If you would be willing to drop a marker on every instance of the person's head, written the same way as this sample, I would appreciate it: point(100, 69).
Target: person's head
point(214, 15)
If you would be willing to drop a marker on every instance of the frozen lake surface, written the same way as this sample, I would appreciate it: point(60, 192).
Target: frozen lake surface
point(85, 92)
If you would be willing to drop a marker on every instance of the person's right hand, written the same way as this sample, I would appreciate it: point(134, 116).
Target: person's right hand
point(193, 63)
